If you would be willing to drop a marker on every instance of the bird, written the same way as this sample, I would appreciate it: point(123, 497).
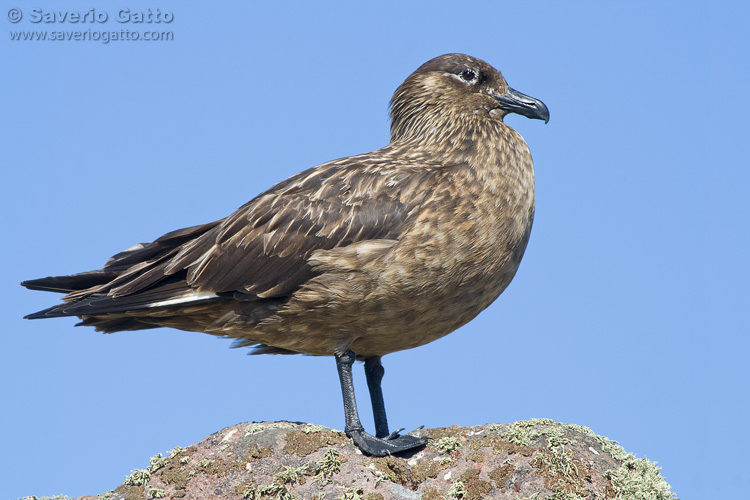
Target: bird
point(355, 258)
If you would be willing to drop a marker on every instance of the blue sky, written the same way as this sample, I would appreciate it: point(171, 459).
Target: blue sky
point(629, 313)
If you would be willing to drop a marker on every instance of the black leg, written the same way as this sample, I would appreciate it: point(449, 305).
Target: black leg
point(370, 445)
point(374, 371)
point(344, 366)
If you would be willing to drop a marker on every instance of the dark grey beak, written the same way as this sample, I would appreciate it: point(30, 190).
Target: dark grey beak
point(515, 102)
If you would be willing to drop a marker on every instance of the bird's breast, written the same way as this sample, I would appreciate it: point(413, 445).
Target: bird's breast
point(468, 241)
point(460, 250)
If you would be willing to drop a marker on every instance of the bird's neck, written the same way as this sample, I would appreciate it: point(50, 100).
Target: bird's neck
point(469, 138)
point(486, 150)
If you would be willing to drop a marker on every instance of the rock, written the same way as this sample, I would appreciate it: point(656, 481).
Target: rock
point(534, 459)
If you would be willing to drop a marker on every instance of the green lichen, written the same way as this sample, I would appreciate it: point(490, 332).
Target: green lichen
point(559, 461)
point(138, 477)
point(555, 431)
point(327, 466)
point(156, 463)
point(457, 491)
point(290, 475)
point(257, 427)
point(564, 474)
point(311, 428)
point(559, 495)
point(352, 494)
point(639, 479)
point(321, 471)
point(636, 479)
point(54, 497)
point(446, 444)
point(175, 451)
point(280, 492)
point(219, 467)
point(523, 432)
point(279, 489)
point(501, 445)
point(246, 490)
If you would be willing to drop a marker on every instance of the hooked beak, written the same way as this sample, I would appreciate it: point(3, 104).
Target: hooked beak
point(513, 101)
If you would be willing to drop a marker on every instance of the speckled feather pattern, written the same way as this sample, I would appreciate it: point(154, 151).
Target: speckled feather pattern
point(377, 252)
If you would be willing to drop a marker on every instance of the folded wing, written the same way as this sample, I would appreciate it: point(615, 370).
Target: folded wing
point(258, 253)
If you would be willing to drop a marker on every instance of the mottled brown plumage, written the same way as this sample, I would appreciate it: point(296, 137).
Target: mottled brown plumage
point(373, 253)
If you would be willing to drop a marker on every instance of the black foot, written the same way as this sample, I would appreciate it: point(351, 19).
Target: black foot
point(394, 443)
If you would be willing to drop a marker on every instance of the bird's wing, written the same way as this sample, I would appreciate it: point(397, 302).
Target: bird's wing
point(262, 250)
point(264, 247)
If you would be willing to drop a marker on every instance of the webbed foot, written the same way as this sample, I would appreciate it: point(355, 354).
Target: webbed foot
point(381, 447)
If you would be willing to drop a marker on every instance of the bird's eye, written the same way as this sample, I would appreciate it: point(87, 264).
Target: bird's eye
point(468, 75)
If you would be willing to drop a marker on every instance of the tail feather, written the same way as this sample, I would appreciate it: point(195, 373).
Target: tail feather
point(90, 293)
point(137, 254)
point(74, 282)
point(175, 294)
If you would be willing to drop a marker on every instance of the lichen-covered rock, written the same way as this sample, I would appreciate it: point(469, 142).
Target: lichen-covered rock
point(539, 459)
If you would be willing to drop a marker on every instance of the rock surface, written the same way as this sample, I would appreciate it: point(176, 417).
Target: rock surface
point(534, 459)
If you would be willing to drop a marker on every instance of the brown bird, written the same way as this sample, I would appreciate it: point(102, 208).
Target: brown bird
point(355, 258)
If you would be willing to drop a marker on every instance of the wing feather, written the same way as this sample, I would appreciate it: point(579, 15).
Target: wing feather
point(262, 250)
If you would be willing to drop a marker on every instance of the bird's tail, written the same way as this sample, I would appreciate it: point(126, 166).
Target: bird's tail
point(84, 290)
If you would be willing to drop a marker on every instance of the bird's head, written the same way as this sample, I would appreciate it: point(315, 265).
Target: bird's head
point(451, 86)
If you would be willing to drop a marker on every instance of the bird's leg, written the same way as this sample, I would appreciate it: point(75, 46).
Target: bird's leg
point(344, 366)
point(367, 443)
point(374, 371)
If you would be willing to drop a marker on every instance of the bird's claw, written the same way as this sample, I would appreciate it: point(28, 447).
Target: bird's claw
point(394, 434)
point(397, 433)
